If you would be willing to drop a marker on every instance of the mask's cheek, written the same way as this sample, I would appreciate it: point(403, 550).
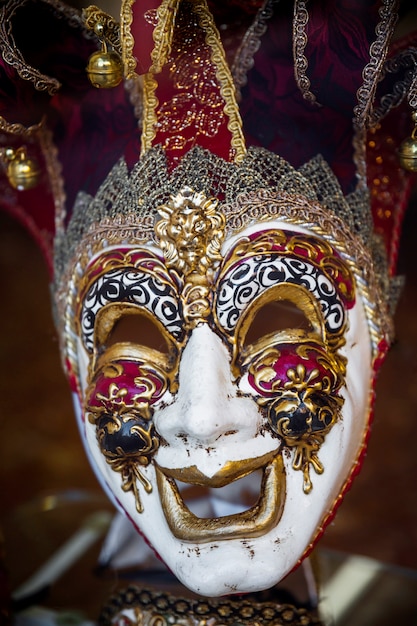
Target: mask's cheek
point(358, 390)
point(118, 403)
point(83, 360)
point(298, 385)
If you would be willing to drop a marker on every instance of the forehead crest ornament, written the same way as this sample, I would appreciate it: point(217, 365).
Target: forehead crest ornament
point(190, 234)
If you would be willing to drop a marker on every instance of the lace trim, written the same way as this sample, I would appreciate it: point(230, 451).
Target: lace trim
point(262, 187)
point(373, 69)
point(149, 185)
point(14, 58)
point(19, 129)
point(260, 206)
point(244, 58)
point(405, 60)
point(300, 40)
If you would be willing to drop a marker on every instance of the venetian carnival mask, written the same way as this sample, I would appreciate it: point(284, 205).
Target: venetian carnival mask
point(214, 357)
point(222, 327)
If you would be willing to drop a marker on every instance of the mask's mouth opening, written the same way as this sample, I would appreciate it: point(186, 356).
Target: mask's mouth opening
point(248, 519)
point(236, 497)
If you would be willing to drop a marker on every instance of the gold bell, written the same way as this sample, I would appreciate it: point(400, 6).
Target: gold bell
point(408, 149)
point(105, 69)
point(23, 172)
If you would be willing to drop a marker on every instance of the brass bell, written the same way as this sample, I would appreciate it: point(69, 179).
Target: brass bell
point(105, 68)
point(408, 149)
point(23, 172)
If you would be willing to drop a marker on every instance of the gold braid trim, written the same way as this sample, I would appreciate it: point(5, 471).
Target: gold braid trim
point(163, 33)
point(412, 94)
point(56, 180)
point(20, 129)
point(127, 41)
point(227, 87)
point(150, 104)
point(372, 73)
point(373, 70)
point(93, 15)
point(300, 21)
point(162, 36)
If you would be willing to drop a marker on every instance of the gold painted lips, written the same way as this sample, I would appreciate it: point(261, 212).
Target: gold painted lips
point(254, 522)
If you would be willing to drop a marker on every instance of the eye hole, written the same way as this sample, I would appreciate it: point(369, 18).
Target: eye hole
point(139, 330)
point(275, 317)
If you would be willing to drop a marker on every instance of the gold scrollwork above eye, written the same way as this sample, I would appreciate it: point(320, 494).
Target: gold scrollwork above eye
point(275, 266)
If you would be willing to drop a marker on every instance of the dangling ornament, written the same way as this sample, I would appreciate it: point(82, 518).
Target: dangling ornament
point(105, 68)
point(22, 171)
point(408, 149)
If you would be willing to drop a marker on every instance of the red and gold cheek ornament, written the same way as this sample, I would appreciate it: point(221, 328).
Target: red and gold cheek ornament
point(298, 386)
point(119, 403)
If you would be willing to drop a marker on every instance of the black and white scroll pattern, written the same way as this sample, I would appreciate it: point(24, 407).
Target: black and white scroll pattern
point(249, 279)
point(136, 287)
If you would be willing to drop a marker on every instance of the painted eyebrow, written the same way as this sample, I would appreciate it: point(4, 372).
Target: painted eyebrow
point(138, 286)
point(246, 280)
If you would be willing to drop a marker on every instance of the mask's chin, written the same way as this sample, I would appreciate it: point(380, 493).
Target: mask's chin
point(252, 522)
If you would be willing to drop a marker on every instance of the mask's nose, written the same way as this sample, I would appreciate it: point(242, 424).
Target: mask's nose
point(207, 407)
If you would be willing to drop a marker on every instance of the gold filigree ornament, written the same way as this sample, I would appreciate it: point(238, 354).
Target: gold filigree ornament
point(305, 406)
point(127, 463)
point(104, 68)
point(191, 231)
point(132, 421)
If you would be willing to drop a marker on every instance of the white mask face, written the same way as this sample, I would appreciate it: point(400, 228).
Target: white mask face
point(238, 365)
